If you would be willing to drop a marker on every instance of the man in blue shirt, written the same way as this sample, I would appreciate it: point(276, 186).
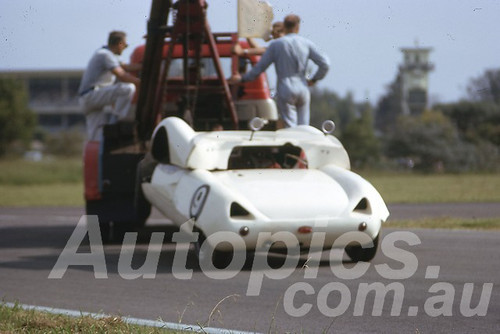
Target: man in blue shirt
point(99, 87)
point(290, 55)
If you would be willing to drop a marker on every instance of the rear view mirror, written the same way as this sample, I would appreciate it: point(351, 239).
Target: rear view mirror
point(328, 127)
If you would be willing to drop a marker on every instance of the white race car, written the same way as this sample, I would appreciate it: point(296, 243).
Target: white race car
point(264, 189)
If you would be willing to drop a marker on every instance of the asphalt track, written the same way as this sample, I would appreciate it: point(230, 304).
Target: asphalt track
point(433, 299)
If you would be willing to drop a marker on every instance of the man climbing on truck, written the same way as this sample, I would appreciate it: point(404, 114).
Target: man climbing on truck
point(98, 88)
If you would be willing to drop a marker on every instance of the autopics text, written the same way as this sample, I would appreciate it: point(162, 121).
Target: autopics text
point(439, 302)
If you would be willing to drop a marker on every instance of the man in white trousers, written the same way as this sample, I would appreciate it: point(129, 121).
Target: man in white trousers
point(106, 82)
point(290, 55)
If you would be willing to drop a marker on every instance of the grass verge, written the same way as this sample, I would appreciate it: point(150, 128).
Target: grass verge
point(20, 172)
point(15, 320)
point(51, 182)
point(58, 182)
point(59, 194)
point(491, 224)
point(436, 188)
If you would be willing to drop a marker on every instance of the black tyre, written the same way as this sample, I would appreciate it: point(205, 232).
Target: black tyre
point(114, 232)
point(142, 207)
point(118, 230)
point(358, 253)
point(219, 259)
point(105, 227)
point(116, 216)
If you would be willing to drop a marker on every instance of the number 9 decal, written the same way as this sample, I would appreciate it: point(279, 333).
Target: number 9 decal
point(198, 201)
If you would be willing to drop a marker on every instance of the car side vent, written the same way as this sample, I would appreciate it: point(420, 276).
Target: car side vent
point(363, 206)
point(237, 211)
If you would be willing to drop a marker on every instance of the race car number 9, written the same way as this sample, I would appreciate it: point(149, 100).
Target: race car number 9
point(198, 201)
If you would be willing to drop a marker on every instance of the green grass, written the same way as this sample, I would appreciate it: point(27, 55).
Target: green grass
point(53, 182)
point(58, 194)
point(17, 320)
point(446, 223)
point(58, 182)
point(19, 172)
point(436, 188)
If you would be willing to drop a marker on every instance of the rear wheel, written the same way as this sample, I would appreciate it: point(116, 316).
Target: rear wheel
point(114, 232)
point(119, 229)
point(105, 227)
point(118, 216)
point(142, 207)
point(219, 259)
point(358, 253)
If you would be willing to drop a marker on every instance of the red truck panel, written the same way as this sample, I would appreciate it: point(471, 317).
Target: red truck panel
point(254, 90)
point(91, 170)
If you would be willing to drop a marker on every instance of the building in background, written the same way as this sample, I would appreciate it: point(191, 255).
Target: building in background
point(414, 73)
point(53, 96)
point(408, 93)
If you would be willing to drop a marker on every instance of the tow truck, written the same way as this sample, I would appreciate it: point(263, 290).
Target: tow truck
point(184, 71)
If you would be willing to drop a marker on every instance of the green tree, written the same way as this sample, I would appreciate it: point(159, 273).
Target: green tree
point(17, 122)
point(486, 87)
point(323, 107)
point(348, 111)
point(389, 107)
point(432, 142)
point(327, 105)
point(475, 121)
point(360, 141)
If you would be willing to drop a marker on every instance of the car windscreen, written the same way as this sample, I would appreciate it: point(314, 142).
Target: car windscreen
point(257, 157)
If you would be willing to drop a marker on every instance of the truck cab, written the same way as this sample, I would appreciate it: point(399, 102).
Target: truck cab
point(201, 92)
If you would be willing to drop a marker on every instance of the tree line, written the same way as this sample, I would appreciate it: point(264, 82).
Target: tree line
point(462, 136)
point(454, 137)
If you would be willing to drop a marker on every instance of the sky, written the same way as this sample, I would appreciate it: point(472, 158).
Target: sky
point(361, 37)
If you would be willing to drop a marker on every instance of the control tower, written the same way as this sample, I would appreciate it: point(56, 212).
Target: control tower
point(414, 74)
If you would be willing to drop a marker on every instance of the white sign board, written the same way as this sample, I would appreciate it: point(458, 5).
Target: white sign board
point(254, 19)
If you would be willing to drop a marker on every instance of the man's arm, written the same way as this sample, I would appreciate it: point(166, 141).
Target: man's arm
point(131, 67)
point(124, 76)
point(321, 60)
point(264, 62)
point(253, 51)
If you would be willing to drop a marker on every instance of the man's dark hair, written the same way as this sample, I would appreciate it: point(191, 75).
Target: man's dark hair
point(278, 25)
point(116, 37)
point(291, 21)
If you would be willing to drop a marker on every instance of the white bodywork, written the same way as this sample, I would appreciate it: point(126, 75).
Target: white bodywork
point(193, 180)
